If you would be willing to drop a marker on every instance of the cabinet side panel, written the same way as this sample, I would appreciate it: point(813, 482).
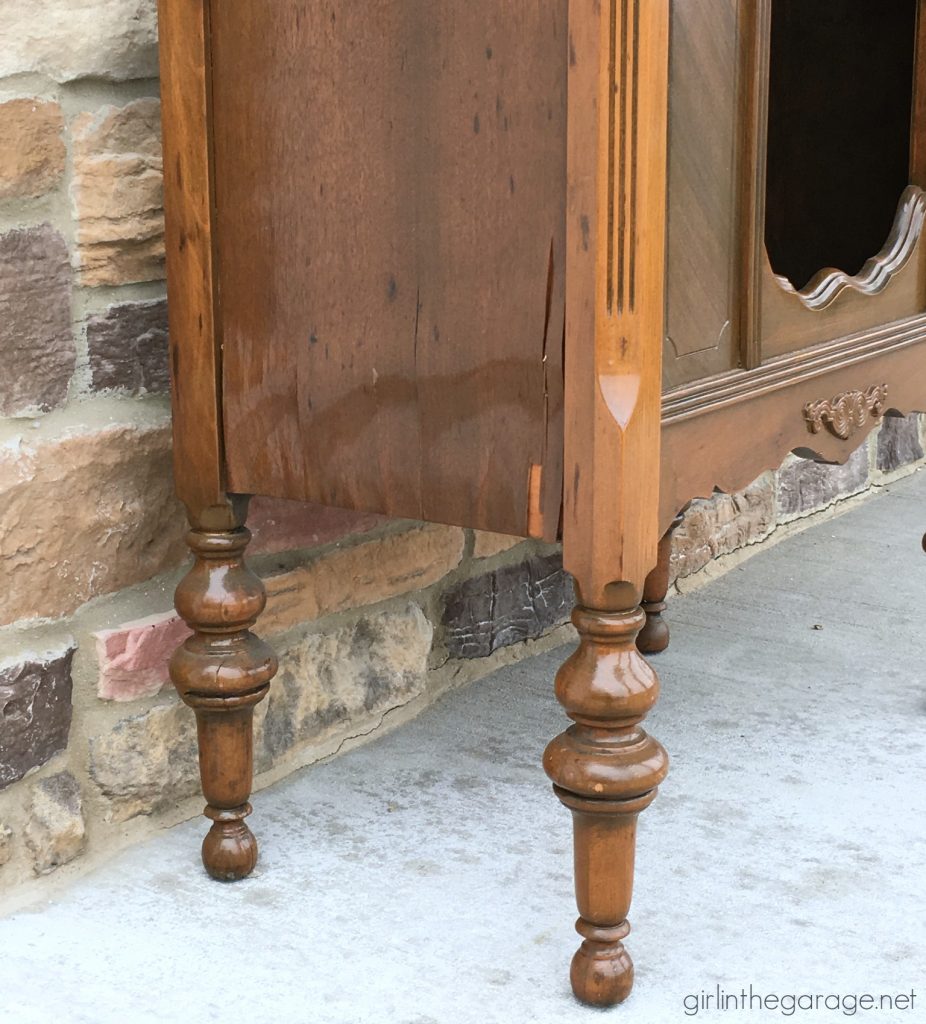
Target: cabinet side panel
point(491, 223)
point(701, 323)
point(316, 201)
point(391, 186)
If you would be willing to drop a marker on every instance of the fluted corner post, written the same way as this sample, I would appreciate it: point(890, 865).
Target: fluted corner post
point(605, 769)
point(222, 672)
point(654, 636)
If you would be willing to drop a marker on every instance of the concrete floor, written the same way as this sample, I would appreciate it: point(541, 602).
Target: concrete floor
point(426, 878)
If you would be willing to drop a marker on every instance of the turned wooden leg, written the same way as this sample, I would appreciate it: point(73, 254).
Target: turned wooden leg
point(605, 769)
point(654, 636)
point(222, 671)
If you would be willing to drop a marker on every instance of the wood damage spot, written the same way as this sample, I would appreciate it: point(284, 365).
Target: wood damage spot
point(534, 506)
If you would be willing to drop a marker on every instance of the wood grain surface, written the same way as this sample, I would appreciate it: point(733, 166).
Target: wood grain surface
point(390, 196)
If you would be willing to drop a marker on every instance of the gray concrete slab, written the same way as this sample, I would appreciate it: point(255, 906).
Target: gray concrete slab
point(425, 878)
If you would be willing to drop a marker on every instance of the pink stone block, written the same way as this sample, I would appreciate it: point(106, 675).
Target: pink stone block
point(281, 525)
point(133, 657)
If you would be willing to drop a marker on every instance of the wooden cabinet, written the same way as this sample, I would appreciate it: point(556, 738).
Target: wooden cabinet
point(548, 268)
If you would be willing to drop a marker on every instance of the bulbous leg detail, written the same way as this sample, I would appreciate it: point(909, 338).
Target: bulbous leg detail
point(222, 672)
point(606, 770)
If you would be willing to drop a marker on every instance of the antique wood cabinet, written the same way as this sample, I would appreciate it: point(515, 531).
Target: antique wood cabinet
point(550, 268)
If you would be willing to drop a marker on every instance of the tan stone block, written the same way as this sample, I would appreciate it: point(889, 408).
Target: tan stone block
point(331, 683)
point(6, 844)
point(146, 762)
point(56, 833)
point(68, 39)
point(371, 571)
point(118, 194)
point(488, 544)
point(328, 684)
point(84, 515)
point(722, 524)
point(32, 154)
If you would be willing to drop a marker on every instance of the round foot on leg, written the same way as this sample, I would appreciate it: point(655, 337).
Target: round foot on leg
point(229, 849)
point(653, 638)
point(601, 976)
point(602, 971)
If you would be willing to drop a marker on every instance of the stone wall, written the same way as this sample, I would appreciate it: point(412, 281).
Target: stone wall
point(373, 619)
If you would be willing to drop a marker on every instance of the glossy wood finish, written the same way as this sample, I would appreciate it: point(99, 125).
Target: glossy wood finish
point(401, 302)
point(222, 671)
point(891, 287)
point(605, 768)
point(702, 60)
point(917, 131)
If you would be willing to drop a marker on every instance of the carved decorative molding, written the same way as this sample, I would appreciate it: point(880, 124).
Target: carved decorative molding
point(846, 413)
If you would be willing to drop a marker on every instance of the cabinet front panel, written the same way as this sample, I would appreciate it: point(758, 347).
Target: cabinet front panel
point(702, 335)
point(390, 184)
point(796, 262)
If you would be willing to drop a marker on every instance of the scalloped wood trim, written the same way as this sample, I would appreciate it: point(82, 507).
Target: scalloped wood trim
point(878, 271)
